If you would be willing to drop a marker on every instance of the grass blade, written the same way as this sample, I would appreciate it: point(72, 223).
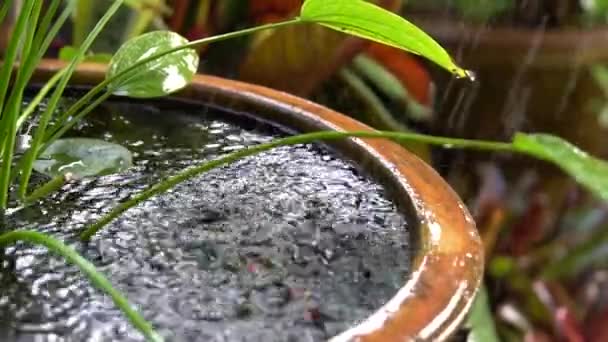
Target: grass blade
point(23, 34)
point(81, 114)
point(50, 34)
point(34, 150)
point(42, 46)
point(29, 110)
point(89, 270)
point(63, 124)
point(32, 51)
point(12, 50)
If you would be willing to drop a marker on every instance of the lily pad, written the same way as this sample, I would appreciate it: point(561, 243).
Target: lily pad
point(83, 157)
point(160, 77)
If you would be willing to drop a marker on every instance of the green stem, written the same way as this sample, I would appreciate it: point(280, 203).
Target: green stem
point(375, 112)
point(56, 135)
point(39, 97)
point(45, 40)
point(74, 113)
point(292, 140)
point(89, 270)
point(9, 111)
point(75, 108)
point(81, 114)
point(102, 86)
point(44, 190)
point(44, 36)
point(41, 43)
point(199, 42)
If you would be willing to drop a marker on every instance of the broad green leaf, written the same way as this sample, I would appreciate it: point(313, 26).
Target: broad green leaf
point(157, 78)
point(83, 157)
point(366, 20)
point(67, 53)
point(587, 170)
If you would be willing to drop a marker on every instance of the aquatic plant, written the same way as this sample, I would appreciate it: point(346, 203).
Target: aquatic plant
point(159, 63)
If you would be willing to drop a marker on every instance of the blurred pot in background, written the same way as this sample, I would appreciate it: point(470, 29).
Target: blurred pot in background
point(528, 79)
point(537, 67)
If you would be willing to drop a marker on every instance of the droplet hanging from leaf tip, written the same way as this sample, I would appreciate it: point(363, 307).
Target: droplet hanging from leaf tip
point(471, 75)
point(463, 73)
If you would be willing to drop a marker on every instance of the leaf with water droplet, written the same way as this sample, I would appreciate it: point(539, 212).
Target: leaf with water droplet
point(587, 170)
point(366, 20)
point(162, 76)
point(83, 157)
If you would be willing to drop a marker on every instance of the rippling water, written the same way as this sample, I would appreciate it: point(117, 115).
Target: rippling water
point(291, 245)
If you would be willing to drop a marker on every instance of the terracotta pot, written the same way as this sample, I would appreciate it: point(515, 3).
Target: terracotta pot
point(530, 80)
point(448, 265)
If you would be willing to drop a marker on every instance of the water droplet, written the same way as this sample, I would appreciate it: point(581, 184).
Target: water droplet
point(470, 75)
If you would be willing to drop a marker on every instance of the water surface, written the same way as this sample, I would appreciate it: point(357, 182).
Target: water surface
point(291, 245)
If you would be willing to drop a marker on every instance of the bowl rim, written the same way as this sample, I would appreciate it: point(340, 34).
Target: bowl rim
point(447, 267)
